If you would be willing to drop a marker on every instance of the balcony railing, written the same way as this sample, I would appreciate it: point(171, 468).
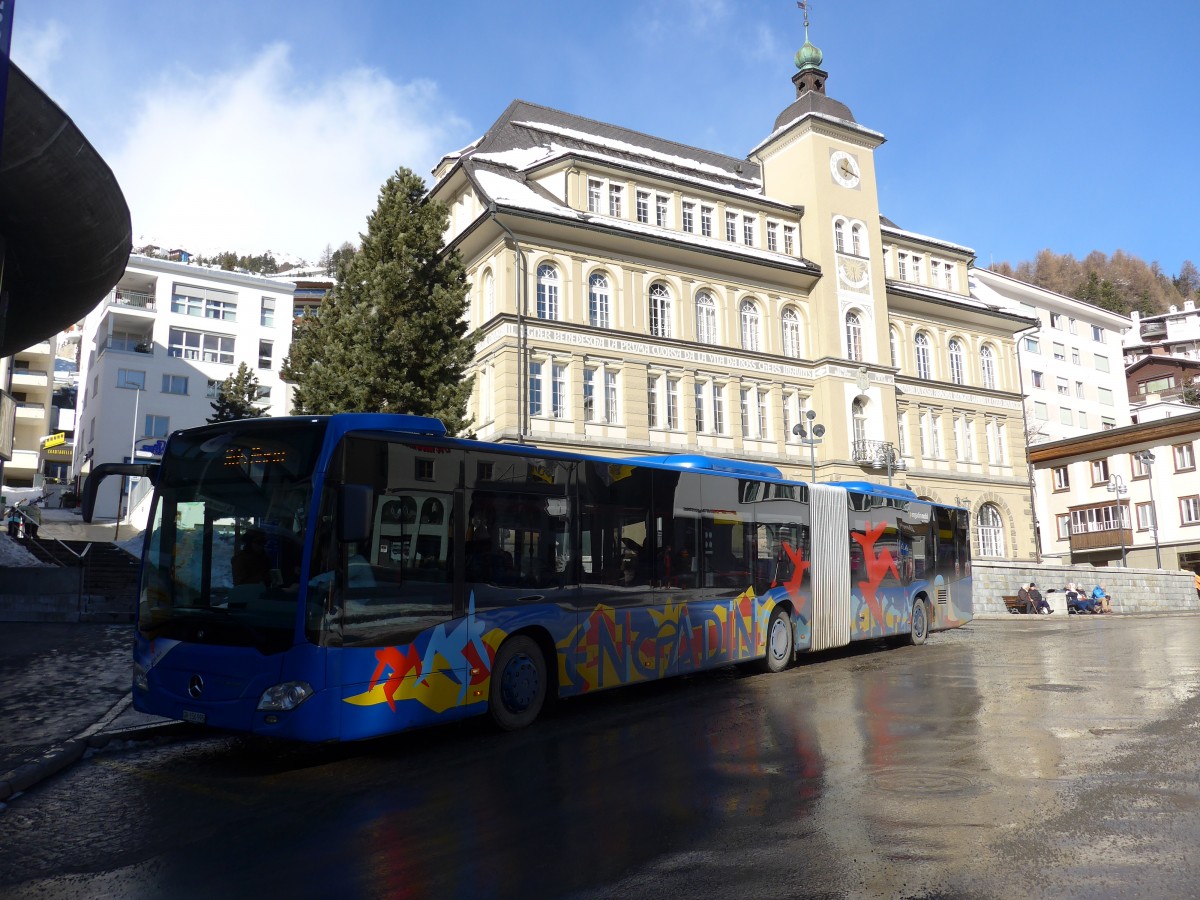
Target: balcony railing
point(30, 378)
point(31, 410)
point(879, 454)
point(134, 299)
point(127, 345)
point(1102, 539)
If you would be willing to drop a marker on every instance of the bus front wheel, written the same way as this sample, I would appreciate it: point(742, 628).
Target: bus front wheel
point(518, 688)
point(779, 641)
point(920, 622)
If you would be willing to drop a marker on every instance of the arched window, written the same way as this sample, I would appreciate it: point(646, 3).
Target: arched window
point(839, 236)
point(858, 416)
point(749, 325)
point(987, 366)
point(856, 240)
point(924, 370)
point(706, 318)
point(547, 292)
point(598, 300)
point(791, 333)
point(894, 342)
point(660, 310)
point(853, 337)
point(991, 531)
point(489, 294)
point(957, 374)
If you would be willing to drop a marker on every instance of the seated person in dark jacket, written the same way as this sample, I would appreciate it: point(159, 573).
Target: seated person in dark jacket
point(1077, 601)
point(1033, 600)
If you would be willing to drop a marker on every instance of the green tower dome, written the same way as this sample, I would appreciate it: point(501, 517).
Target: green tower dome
point(808, 56)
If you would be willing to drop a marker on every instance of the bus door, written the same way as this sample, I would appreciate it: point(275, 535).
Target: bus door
point(831, 588)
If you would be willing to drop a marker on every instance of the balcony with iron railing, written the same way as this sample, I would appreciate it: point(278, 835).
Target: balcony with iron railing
point(30, 378)
point(878, 455)
point(126, 344)
point(120, 297)
point(36, 411)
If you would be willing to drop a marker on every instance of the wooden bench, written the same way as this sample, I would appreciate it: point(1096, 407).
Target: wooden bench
point(1014, 604)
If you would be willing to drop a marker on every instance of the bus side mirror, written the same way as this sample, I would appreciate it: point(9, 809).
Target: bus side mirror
point(356, 507)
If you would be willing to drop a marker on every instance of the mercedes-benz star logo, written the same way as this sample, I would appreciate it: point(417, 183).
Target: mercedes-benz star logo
point(195, 687)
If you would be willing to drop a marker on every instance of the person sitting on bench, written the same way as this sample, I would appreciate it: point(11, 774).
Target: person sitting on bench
point(1077, 601)
point(1035, 603)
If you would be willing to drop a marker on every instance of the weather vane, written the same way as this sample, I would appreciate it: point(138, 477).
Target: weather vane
point(803, 5)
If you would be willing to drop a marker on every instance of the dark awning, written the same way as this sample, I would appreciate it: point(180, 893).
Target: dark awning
point(63, 218)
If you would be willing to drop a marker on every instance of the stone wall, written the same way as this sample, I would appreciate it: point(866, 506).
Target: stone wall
point(1131, 590)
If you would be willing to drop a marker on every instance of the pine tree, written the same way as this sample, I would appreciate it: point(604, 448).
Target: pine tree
point(235, 399)
point(391, 336)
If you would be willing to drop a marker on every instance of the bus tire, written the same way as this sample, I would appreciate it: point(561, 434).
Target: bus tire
point(780, 641)
point(518, 683)
point(920, 623)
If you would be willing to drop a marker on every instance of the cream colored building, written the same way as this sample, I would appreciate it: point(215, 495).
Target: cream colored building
point(635, 296)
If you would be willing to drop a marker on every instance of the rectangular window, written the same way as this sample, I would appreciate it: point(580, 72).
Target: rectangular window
point(198, 345)
point(610, 396)
point(266, 315)
point(745, 395)
point(264, 354)
point(1106, 423)
point(535, 388)
point(589, 395)
point(1056, 321)
point(902, 266)
point(213, 389)
point(1032, 345)
point(1185, 459)
point(1060, 352)
point(706, 221)
point(1101, 363)
point(1079, 389)
point(731, 221)
point(660, 211)
point(689, 217)
point(262, 394)
point(700, 407)
point(789, 239)
point(157, 426)
point(1145, 516)
point(673, 403)
point(594, 194)
point(1041, 412)
point(174, 384)
point(1076, 359)
point(1083, 422)
point(916, 269)
point(131, 378)
point(772, 237)
point(558, 391)
point(1072, 326)
point(748, 229)
point(652, 410)
point(1189, 510)
point(718, 408)
point(1106, 396)
point(1097, 333)
point(1064, 387)
point(643, 207)
point(1062, 478)
point(1099, 471)
point(1038, 379)
point(614, 200)
point(762, 414)
point(1064, 526)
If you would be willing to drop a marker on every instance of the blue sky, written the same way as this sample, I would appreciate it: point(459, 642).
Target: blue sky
point(1011, 126)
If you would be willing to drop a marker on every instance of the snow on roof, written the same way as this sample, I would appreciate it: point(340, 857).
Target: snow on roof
point(509, 191)
point(625, 147)
point(927, 239)
point(846, 123)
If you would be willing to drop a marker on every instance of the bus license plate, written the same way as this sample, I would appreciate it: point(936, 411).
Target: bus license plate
point(196, 718)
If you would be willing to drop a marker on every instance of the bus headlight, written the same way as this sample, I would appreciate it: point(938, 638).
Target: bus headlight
point(282, 697)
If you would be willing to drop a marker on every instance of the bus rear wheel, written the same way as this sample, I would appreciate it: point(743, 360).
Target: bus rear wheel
point(518, 684)
point(779, 641)
point(920, 623)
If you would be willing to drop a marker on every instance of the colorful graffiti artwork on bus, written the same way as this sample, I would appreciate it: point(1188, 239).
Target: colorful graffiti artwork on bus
point(871, 616)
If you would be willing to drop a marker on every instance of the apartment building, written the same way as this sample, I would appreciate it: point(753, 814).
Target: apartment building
point(158, 347)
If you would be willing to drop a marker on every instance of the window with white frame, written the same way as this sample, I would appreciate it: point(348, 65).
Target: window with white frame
point(1079, 390)
point(213, 389)
point(1041, 411)
point(1076, 359)
point(731, 224)
point(175, 384)
point(718, 392)
point(916, 269)
point(673, 403)
point(1098, 333)
point(1083, 419)
point(643, 207)
point(489, 294)
point(902, 433)
point(589, 394)
point(1060, 352)
point(1072, 326)
point(614, 200)
point(746, 411)
point(558, 391)
point(1062, 524)
point(1185, 458)
point(266, 351)
point(689, 216)
point(595, 193)
point(773, 237)
point(1066, 416)
point(661, 211)
point(854, 349)
point(990, 528)
point(131, 378)
point(1038, 379)
point(198, 345)
point(996, 442)
point(660, 310)
point(1062, 478)
point(535, 388)
point(957, 367)
point(653, 408)
point(1099, 469)
point(750, 325)
point(935, 434)
point(547, 292)
point(789, 239)
point(205, 302)
point(1189, 510)
point(858, 421)
point(987, 366)
point(968, 438)
point(706, 221)
point(610, 396)
point(894, 346)
point(923, 431)
point(1064, 387)
point(839, 235)
point(157, 426)
point(1033, 345)
point(790, 320)
point(1145, 516)
point(266, 312)
point(706, 318)
point(1105, 395)
point(924, 360)
point(857, 241)
point(1057, 321)
point(701, 403)
point(1101, 363)
point(598, 301)
point(763, 396)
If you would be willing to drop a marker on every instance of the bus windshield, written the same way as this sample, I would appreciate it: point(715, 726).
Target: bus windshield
point(226, 540)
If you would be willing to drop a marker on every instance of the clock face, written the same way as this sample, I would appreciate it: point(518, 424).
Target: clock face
point(845, 169)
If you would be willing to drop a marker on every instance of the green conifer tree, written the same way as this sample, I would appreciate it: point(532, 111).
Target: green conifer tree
point(235, 399)
point(391, 336)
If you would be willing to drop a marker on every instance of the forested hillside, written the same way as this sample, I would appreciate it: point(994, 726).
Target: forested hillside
point(1121, 283)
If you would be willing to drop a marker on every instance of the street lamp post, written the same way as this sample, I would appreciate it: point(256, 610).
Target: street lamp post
point(891, 458)
point(811, 436)
point(1116, 485)
point(1147, 460)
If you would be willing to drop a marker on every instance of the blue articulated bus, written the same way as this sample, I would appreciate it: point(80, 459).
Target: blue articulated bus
point(342, 577)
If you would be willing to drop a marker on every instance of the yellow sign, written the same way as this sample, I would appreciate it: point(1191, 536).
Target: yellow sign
point(55, 439)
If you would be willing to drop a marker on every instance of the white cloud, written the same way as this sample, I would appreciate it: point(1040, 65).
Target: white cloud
point(36, 48)
point(257, 159)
